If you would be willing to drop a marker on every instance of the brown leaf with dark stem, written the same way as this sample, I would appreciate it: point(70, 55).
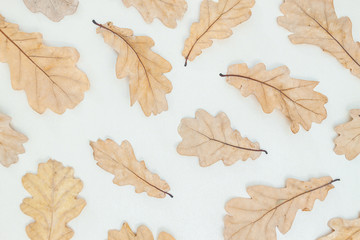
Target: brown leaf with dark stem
point(121, 161)
point(55, 10)
point(167, 11)
point(275, 89)
point(143, 233)
point(216, 21)
point(268, 208)
point(315, 22)
point(212, 139)
point(54, 201)
point(48, 75)
point(343, 229)
point(11, 142)
point(348, 141)
point(144, 68)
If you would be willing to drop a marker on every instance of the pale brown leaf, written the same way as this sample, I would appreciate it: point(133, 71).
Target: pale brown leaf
point(212, 139)
point(55, 10)
point(54, 201)
point(315, 22)
point(11, 142)
point(275, 89)
point(167, 11)
point(256, 218)
point(343, 229)
point(121, 161)
point(216, 21)
point(143, 233)
point(48, 75)
point(348, 141)
point(144, 68)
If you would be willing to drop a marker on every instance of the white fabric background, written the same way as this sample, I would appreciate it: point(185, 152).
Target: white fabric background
point(197, 210)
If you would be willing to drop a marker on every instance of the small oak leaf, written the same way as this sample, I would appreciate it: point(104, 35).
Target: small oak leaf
point(212, 139)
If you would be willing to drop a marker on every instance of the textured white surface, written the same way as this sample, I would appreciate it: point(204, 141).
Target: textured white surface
point(197, 210)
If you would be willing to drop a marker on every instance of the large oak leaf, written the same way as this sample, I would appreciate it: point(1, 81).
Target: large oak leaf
point(275, 89)
point(315, 22)
point(48, 75)
point(143, 233)
point(54, 201)
point(216, 21)
point(11, 142)
point(348, 141)
point(121, 161)
point(257, 217)
point(55, 10)
point(168, 11)
point(145, 69)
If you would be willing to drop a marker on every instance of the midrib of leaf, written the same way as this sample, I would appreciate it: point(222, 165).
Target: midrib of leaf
point(207, 30)
point(137, 55)
point(36, 65)
point(268, 85)
point(328, 32)
point(281, 204)
point(352, 235)
point(228, 144)
point(119, 163)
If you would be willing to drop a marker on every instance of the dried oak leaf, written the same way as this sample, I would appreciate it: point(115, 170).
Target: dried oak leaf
point(54, 202)
point(216, 21)
point(145, 69)
point(121, 161)
point(257, 217)
point(315, 22)
point(348, 141)
point(55, 10)
point(212, 139)
point(48, 75)
point(11, 142)
point(343, 229)
point(295, 98)
point(167, 11)
point(143, 233)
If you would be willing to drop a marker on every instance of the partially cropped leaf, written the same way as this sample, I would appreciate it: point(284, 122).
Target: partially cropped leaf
point(257, 217)
point(54, 201)
point(348, 141)
point(55, 10)
point(343, 229)
point(167, 11)
point(212, 139)
point(315, 22)
point(11, 142)
point(275, 89)
point(121, 161)
point(143, 233)
point(144, 68)
point(216, 21)
point(48, 75)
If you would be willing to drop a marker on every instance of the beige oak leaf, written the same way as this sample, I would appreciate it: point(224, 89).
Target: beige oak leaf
point(121, 161)
point(348, 141)
point(343, 229)
point(257, 217)
point(145, 69)
point(212, 139)
point(11, 142)
point(143, 233)
point(275, 89)
point(315, 22)
point(167, 11)
point(48, 75)
point(55, 10)
point(216, 21)
point(54, 201)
